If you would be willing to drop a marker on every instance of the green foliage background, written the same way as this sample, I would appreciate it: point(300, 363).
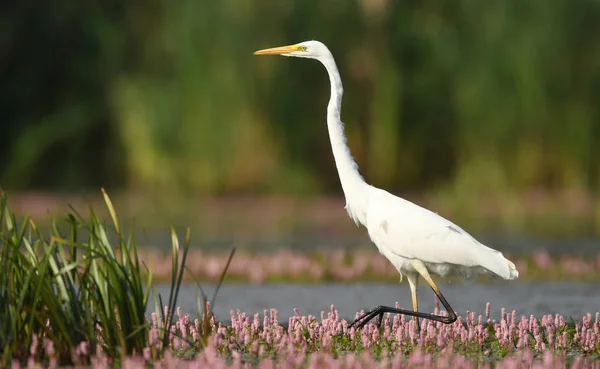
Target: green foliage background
point(499, 95)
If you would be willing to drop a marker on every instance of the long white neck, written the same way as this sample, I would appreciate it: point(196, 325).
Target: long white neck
point(355, 189)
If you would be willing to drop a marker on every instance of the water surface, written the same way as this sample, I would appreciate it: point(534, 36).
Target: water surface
point(571, 299)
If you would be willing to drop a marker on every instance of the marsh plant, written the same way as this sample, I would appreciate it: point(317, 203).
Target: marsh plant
point(79, 291)
point(337, 265)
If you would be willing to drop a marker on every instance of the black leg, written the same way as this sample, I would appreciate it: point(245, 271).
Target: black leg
point(362, 320)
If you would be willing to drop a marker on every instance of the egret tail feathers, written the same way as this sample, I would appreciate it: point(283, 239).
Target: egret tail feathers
point(499, 265)
point(513, 272)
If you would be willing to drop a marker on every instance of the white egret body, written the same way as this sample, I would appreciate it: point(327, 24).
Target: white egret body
point(416, 241)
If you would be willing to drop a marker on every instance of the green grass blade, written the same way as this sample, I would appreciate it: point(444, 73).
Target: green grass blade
point(111, 210)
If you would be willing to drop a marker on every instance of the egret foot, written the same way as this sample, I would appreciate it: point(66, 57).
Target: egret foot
point(362, 320)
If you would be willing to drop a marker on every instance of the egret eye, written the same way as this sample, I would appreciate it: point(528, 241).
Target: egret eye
point(301, 48)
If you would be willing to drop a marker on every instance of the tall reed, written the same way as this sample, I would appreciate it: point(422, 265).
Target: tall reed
point(81, 286)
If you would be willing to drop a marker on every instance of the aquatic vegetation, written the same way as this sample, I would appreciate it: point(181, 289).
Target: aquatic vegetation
point(350, 265)
point(76, 291)
point(325, 341)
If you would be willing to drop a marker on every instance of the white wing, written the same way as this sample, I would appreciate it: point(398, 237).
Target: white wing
point(412, 232)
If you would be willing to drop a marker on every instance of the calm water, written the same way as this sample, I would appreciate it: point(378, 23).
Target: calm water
point(569, 299)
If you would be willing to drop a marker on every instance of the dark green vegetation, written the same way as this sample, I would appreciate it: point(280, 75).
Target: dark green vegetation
point(76, 286)
point(470, 98)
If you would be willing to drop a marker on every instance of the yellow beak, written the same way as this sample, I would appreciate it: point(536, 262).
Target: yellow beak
point(277, 50)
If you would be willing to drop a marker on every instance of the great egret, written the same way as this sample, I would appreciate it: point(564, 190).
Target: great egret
point(415, 240)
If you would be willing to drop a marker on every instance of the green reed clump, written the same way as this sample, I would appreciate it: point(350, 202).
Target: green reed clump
point(81, 286)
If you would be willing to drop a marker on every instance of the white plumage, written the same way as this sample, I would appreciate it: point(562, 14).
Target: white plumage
point(416, 241)
point(404, 231)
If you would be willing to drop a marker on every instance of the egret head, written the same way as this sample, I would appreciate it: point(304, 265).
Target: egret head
point(307, 49)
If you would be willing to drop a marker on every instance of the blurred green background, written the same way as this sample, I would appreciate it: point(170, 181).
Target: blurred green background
point(480, 109)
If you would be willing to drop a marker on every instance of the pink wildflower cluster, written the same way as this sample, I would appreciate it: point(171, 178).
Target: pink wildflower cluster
point(259, 338)
point(343, 265)
point(419, 359)
point(327, 342)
